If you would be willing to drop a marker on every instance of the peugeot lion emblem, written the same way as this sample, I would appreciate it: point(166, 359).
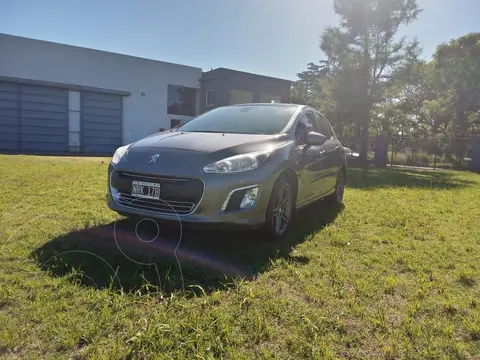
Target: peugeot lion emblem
point(154, 158)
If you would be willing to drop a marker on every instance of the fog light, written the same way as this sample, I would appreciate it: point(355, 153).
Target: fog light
point(249, 198)
point(241, 198)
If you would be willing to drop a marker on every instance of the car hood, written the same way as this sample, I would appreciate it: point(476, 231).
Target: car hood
point(200, 141)
point(186, 153)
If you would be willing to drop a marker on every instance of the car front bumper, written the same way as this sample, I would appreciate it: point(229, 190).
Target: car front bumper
point(217, 188)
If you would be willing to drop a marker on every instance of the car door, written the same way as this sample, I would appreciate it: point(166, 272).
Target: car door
point(308, 160)
point(332, 152)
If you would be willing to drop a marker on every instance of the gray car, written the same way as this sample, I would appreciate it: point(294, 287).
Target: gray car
point(249, 165)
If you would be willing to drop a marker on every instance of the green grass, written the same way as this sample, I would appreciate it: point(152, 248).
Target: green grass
point(395, 274)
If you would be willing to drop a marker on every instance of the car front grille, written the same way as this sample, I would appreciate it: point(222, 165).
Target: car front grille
point(178, 195)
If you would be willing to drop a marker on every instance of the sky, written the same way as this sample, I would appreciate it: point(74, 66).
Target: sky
point(270, 37)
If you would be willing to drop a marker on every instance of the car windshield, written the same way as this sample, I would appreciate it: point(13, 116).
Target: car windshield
point(242, 119)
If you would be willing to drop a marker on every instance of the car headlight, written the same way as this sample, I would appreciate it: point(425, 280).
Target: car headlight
point(119, 154)
point(238, 163)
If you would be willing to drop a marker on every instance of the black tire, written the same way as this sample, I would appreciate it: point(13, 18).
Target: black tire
point(337, 197)
point(280, 210)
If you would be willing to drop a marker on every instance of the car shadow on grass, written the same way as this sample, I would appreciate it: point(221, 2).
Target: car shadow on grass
point(372, 178)
point(130, 256)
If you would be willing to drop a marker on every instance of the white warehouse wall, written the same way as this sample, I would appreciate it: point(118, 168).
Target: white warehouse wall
point(142, 115)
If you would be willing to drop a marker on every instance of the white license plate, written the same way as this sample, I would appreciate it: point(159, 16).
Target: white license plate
point(146, 190)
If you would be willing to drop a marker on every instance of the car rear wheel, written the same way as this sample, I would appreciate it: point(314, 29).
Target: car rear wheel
point(337, 197)
point(280, 210)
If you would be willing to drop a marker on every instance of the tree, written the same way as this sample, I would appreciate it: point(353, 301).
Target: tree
point(308, 87)
point(458, 63)
point(343, 90)
point(332, 93)
point(416, 104)
point(365, 46)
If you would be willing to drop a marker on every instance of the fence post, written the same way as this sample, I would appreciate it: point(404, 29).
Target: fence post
point(381, 151)
point(392, 140)
point(475, 163)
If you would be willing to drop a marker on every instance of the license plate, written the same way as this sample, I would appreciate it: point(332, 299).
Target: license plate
point(146, 190)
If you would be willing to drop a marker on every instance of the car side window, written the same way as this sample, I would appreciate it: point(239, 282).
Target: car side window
point(305, 124)
point(323, 126)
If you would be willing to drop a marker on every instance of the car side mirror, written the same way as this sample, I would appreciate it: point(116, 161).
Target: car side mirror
point(316, 139)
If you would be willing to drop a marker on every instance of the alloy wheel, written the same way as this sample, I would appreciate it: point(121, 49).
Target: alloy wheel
point(282, 210)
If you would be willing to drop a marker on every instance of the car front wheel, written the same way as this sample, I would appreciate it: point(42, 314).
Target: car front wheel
point(280, 210)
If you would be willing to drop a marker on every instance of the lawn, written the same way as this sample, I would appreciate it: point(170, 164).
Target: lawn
point(394, 274)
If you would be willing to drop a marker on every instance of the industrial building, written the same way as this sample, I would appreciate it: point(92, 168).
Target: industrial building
point(57, 98)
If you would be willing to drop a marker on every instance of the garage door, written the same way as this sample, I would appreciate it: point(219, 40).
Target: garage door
point(9, 117)
point(101, 122)
point(33, 118)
